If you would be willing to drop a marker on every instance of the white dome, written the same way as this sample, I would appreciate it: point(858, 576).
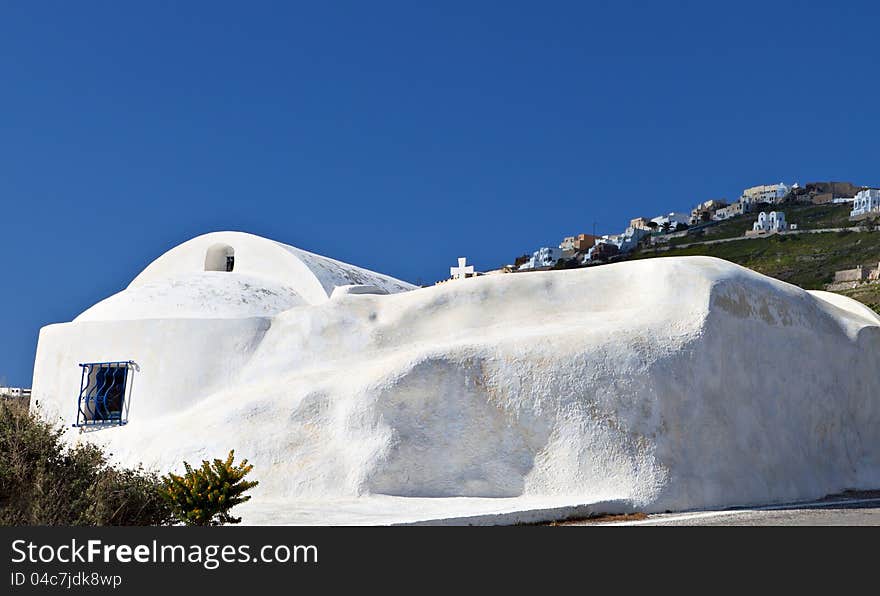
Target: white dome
point(201, 295)
point(311, 276)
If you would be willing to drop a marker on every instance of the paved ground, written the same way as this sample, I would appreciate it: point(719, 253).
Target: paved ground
point(842, 510)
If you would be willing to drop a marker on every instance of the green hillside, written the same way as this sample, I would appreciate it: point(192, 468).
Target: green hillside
point(807, 217)
point(866, 294)
point(807, 260)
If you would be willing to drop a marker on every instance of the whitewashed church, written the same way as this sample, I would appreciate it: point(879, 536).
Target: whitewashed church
point(183, 327)
point(534, 396)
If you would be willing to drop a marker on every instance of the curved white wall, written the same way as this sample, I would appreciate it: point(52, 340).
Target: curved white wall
point(312, 276)
point(668, 383)
point(204, 295)
point(181, 360)
point(672, 383)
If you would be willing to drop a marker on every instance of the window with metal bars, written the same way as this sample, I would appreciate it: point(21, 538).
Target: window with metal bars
point(105, 393)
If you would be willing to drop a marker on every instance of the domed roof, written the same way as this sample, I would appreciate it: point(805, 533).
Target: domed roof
point(233, 275)
point(201, 295)
point(311, 275)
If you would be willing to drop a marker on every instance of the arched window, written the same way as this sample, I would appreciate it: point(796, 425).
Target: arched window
point(220, 257)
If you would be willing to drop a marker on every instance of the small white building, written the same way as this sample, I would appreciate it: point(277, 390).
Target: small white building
point(705, 211)
point(14, 392)
point(625, 242)
point(866, 201)
point(772, 222)
point(674, 219)
point(765, 193)
point(629, 240)
point(724, 213)
point(739, 207)
point(546, 256)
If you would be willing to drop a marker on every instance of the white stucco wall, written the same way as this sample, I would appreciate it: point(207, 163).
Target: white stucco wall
point(181, 360)
point(666, 383)
point(866, 201)
point(201, 295)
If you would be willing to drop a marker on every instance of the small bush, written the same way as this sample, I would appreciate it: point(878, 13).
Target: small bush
point(204, 496)
point(45, 483)
point(127, 497)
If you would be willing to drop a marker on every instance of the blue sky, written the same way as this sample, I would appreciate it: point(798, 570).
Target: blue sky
point(398, 136)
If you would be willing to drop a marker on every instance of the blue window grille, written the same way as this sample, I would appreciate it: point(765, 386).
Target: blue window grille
point(105, 393)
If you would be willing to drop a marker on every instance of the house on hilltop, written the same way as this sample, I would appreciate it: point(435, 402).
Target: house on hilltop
point(672, 218)
point(768, 223)
point(705, 211)
point(543, 258)
point(571, 245)
point(866, 202)
point(765, 193)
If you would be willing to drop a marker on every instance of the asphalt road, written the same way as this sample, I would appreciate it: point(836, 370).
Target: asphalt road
point(834, 511)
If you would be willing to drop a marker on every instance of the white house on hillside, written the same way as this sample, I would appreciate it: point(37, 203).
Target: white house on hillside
point(726, 212)
point(767, 193)
point(14, 392)
point(673, 219)
point(772, 222)
point(866, 201)
point(546, 256)
point(630, 238)
point(625, 242)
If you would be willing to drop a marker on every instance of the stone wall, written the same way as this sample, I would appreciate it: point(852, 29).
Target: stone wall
point(837, 189)
point(843, 285)
point(853, 277)
point(857, 274)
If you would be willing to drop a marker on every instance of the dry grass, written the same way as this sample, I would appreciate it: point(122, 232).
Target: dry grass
point(43, 482)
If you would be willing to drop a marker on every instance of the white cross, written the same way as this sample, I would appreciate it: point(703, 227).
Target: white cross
point(461, 271)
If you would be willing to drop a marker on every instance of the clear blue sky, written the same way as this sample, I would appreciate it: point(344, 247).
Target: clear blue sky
point(398, 136)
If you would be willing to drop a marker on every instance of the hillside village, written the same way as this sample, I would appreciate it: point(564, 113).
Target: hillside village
point(836, 211)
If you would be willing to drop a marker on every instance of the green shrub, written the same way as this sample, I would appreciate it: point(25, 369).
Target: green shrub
point(127, 497)
point(203, 496)
point(43, 482)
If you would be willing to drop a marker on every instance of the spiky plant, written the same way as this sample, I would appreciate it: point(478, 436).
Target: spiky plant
point(203, 496)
